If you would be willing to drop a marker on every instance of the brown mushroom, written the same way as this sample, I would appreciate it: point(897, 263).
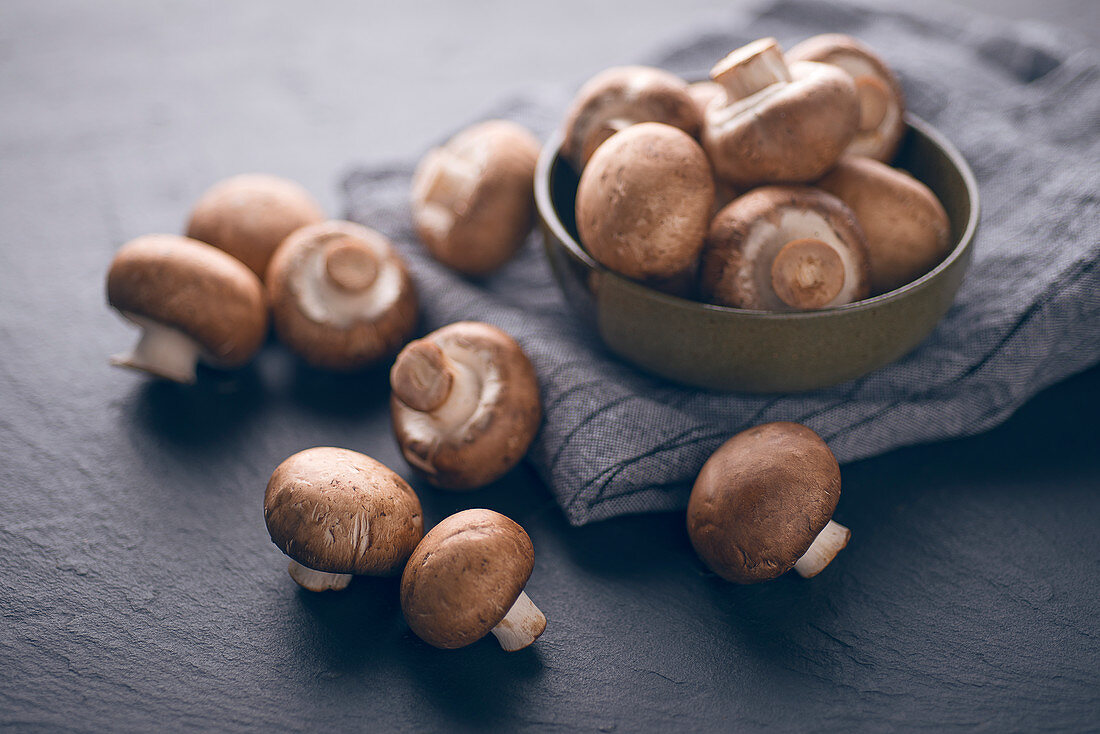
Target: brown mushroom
point(473, 199)
point(192, 301)
point(703, 93)
point(644, 201)
point(466, 579)
point(341, 296)
point(338, 513)
point(784, 248)
point(620, 97)
point(465, 404)
point(250, 214)
point(763, 503)
point(908, 232)
point(776, 123)
point(881, 100)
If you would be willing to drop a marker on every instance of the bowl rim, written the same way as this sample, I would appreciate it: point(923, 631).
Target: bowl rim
point(549, 216)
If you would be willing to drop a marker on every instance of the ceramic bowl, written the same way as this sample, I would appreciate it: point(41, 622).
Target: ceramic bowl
point(724, 348)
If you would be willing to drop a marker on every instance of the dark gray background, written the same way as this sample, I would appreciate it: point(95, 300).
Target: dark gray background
point(137, 584)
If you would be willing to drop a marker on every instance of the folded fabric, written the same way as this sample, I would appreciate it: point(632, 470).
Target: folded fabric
point(1023, 106)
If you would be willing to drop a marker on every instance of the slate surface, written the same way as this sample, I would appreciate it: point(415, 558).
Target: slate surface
point(138, 589)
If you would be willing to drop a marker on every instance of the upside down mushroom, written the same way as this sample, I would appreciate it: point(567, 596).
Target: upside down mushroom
point(465, 404)
point(466, 579)
point(341, 296)
point(763, 504)
point(339, 513)
point(193, 303)
point(784, 248)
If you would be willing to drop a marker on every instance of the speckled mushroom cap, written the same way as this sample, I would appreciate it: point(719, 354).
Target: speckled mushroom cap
point(465, 404)
point(774, 123)
point(881, 99)
point(644, 201)
point(473, 199)
point(760, 501)
point(339, 511)
point(193, 288)
point(341, 295)
point(464, 576)
point(622, 96)
point(805, 230)
point(908, 232)
point(249, 215)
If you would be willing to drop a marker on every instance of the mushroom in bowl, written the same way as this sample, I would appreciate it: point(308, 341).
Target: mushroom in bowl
point(465, 404)
point(338, 513)
point(193, 303)
point(341, 296)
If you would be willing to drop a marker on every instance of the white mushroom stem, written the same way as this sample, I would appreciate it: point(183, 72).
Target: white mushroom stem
point(751, 68)
point(313, 580)
point(444, 184)
point(830, 541)
point(162, 351)
point(521, 626)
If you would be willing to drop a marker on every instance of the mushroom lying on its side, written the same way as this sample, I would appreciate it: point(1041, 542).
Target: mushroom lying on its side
point(908, 232)
point(644, 201)
point(784, 248)
point(763, 504)
point(774, 123)
point(192, 301)
point(473, 199)
point(619, 97)
point(341, 296)
point(466, 579)
point(249, 215)
point(338, 513)
point(465, 404)
point(881, 100)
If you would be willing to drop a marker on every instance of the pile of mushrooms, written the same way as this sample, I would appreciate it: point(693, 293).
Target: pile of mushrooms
point(765, 188)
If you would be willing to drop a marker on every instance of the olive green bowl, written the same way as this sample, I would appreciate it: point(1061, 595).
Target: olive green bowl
point(725, 348)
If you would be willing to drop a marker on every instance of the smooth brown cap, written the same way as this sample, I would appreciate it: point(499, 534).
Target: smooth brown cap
point(881, 99)
point(353, 256)
point(908, 232)
point(340, 511)
point(760, 501)
point(194, 288)
point(492, 215)
point(249, 215)
point(644, 201)
point(791, 134)
point(622, 96)
point(747, 235)
point(497, 434)
point(464, 576)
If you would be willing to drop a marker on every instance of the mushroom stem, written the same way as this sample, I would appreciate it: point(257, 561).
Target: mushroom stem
point(422, 376)
point(830, 541)
point(874, 100)
point(313, 580)
point(162, 351)
point(521, 626)
point(749, 69)
point(350, 267)
point(807, 273)
point(448, 180)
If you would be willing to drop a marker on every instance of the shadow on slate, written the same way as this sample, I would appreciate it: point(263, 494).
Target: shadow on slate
point(1021, 102)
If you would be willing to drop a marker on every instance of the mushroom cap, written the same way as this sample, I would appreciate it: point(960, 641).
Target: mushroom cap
point(760, 501)
point(464, 576)
point(788, 132)
point(339, 511)
point(473, 199)
point(881, 99)
point(644, 201)
point(502, 415)
point(908, 232)
point(703, 93)
point(622, 96)
point(342, 327)
point(747, 235)
point(195, 288)
point(250, 214)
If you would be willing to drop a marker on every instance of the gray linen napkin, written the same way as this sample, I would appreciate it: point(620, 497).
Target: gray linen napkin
point(1021, 104)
